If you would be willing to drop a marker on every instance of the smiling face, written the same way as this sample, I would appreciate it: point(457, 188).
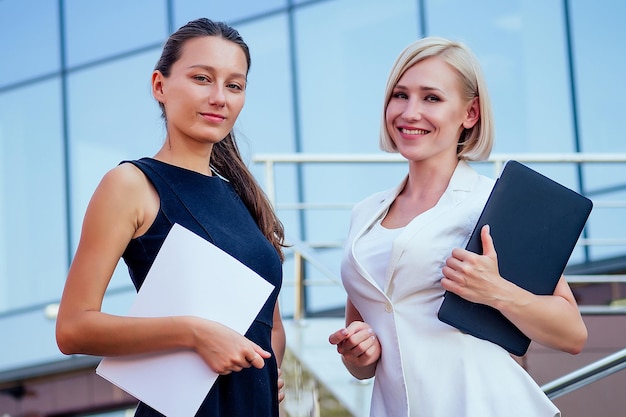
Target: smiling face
point(427, 111)
point(205, 90)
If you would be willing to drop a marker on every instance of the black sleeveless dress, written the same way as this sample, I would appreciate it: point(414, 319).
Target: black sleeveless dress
point(209, 207)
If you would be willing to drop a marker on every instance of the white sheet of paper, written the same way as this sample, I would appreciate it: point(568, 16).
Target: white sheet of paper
point(190, 276)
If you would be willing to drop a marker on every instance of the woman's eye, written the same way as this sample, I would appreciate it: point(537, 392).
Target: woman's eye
point(234, 86)
point(202, 78)
point(432, 98)
point(400, 95)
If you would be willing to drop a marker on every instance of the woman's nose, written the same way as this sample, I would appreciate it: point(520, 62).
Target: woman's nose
point(413, 110)
point(217, 96)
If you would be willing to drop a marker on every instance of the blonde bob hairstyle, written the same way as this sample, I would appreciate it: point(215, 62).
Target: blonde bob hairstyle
point(474, 144)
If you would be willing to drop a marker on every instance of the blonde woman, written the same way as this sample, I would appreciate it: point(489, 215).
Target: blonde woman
point(403, 252)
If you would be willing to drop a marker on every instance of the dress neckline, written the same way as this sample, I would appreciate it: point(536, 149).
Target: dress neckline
point(182, 169)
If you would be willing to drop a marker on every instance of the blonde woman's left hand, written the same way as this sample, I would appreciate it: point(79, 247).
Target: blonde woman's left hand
point(475, 277)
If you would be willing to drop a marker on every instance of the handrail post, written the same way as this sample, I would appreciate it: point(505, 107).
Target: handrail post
point(298, 311)
point(270, 182)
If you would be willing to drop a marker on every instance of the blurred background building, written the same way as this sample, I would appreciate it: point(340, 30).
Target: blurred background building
point(75, 101)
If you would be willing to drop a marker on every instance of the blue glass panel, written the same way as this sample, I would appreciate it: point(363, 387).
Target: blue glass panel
point(266, 121)
point(38, 345)
point(33, 241)
point(228, 11)
point(598, 35)
point(521, 46)
point(598, 43)
point(32, 340)
point(97, 29)
point(29, 39)
point(342, 69)
point(113, 117)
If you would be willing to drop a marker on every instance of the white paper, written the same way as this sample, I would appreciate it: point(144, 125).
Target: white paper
point(190, 276)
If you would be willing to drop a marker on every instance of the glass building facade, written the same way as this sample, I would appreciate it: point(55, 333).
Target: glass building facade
point(75, 101)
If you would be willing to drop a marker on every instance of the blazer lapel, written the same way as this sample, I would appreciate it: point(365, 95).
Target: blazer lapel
point(459, 188)
point(381, 208)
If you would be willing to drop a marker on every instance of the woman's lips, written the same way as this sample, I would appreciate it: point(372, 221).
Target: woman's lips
point(213, 117)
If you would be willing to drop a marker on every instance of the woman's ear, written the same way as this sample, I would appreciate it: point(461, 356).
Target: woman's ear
point(473, 114)
point(157, 86)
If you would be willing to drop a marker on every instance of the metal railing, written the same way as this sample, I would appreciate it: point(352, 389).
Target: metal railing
point(270, 161)
point(586, 375)
point(572, 381)
point(304, 253)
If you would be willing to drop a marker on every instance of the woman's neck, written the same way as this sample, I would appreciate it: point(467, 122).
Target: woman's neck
point(192, 159)
point(427, 181)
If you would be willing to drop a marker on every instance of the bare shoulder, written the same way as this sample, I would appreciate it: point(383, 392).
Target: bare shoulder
point(125, 184)
point(126, 177)
point(123, 195)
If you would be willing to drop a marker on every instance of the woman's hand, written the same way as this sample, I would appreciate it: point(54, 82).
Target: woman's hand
point(224, 350)
point(475, 277)
point(551, 320)
point(357, 344)
point(281, 386)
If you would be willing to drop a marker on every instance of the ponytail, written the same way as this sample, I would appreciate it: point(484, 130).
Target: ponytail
point(227, 161)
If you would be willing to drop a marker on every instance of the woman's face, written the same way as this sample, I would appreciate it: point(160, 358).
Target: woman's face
point(427, 111)
point(205, 90)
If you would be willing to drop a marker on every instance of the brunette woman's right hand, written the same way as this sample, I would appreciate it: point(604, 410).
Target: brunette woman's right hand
point(223, 349)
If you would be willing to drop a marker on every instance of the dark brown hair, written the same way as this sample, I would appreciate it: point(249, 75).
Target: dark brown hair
point(225, 157)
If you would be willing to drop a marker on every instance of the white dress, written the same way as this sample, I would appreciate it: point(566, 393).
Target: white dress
point(428, 368)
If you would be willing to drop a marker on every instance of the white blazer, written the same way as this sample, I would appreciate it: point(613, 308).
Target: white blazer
point(428, 368)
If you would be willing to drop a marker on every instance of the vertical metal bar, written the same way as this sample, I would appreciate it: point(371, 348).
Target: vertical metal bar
point(293, 63)
point(497, 167)
point(169, 6)
point(616, 292)
point(298, 310)
point(574, 102)
point(66, 140)
point(421, 7)
point(270, 182)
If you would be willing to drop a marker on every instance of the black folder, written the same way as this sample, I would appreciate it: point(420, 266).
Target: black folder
point(535, 223)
